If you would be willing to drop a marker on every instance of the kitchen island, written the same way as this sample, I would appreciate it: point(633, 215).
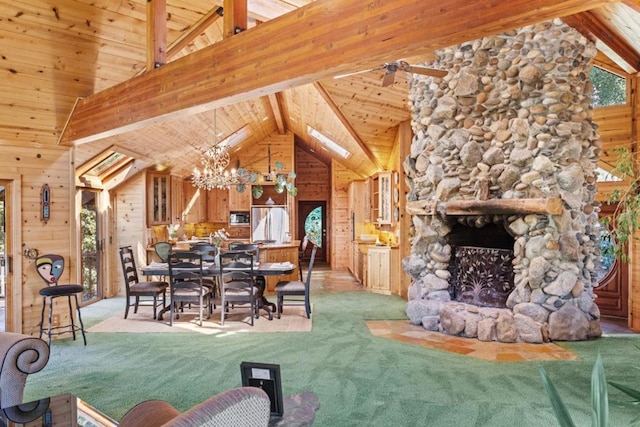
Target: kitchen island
point(280, 252)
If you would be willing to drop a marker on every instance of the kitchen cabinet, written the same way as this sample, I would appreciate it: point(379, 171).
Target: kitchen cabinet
point(359, 206)
point(382, 273)
point(356, 261)
point(158, 198)
point(177, 201)
point(381, 198)
point(195, 204)
point(240, 202)
point(269, 192)
point(218, 205)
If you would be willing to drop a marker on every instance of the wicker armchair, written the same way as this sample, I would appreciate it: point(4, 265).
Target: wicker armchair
point(20, 355)
point(244, 406)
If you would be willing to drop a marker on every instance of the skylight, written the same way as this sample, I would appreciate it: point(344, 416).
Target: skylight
point(328, 143)
point(604, 176)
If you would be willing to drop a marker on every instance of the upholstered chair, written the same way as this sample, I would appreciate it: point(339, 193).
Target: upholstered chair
point(243, 406)
point(20, 356)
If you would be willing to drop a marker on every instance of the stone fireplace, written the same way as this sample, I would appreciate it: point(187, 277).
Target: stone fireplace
point(502, 189)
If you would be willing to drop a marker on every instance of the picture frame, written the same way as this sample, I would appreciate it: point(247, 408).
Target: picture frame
point(267, 377)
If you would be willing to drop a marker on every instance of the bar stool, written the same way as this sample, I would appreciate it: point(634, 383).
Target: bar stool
point(50, 268)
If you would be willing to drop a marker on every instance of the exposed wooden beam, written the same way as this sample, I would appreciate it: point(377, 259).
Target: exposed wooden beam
point(595, 30)
point(481, 207)
point(198, 28)
point(235, 17)
point(345, 122)
point(275, 100)
point(156, 33)
point(633, 4)
point(188, 36)
point(320, 40)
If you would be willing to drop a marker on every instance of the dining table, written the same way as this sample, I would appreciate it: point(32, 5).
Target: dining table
point(210, 269)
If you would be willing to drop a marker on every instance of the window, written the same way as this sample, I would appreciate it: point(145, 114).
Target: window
point(608, 88)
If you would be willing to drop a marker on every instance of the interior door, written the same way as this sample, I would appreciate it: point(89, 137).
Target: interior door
point(3, 259)
point(312, 221)
point(613, 279)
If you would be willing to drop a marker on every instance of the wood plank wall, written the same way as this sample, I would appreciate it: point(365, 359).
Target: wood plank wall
point(339, 211)
point(255, 157)
point(634, 265)
point(129, 213)
point(35, 166)
point(618, 127)
point(312, 177)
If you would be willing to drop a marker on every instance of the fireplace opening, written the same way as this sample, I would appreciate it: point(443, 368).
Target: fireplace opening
point(482, 265)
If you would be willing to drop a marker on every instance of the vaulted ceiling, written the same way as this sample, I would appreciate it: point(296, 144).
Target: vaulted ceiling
point(74, 72)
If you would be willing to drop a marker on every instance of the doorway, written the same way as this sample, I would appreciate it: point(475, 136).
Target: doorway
point(312, 221)
point(613, 277)
point(3, 260)
point(90, 247)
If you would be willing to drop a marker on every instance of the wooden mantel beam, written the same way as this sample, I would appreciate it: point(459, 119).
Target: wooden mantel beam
point(320, 40)
point(551, 206)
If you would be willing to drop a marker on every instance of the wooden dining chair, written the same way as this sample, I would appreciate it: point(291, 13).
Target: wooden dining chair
point(302, 250)
point(209, 255)
point(134, 288)
point(237, 285)
point(186, 285)
point(295, 289)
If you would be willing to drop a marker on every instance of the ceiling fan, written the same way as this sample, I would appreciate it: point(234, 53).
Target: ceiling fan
point(392, 67)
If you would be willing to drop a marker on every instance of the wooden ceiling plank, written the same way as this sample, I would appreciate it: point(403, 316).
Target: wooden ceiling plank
point(325, 95)
point(324, 38)
point(595, 30)
point(276, 102)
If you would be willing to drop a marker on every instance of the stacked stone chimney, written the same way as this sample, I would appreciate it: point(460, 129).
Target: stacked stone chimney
point(510, 129)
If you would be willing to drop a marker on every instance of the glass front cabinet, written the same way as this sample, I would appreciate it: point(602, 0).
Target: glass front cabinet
point(381, 198)
point(158, 198)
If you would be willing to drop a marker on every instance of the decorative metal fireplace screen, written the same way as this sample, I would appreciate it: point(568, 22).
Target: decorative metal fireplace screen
point(482, 276)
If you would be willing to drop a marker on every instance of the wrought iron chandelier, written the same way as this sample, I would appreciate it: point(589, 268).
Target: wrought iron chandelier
point(214, 160)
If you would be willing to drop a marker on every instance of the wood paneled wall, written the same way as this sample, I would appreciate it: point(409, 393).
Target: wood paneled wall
point(129, 213)
point(312, 177)
point(29, 168)
point(339, 211)
point(255, 157)
point(634, 263)
point(618, 126)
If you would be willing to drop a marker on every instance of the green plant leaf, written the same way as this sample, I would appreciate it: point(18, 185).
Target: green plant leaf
point(635, 394)
point(559, 408)
point(599, 397)
point(256, 191)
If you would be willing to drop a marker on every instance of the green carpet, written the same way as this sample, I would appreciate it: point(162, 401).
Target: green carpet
point(359, 379)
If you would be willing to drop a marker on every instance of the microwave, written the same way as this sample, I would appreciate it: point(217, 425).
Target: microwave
point(239, 218)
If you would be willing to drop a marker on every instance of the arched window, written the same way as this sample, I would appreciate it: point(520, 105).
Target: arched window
point(313, 226)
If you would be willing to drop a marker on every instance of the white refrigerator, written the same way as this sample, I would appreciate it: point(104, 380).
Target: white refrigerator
point(269, 224)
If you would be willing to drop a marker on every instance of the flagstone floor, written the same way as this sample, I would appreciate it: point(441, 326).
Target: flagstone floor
point(403, 331)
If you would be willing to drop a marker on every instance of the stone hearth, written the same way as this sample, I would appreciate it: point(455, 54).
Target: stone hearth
point(507, 138)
